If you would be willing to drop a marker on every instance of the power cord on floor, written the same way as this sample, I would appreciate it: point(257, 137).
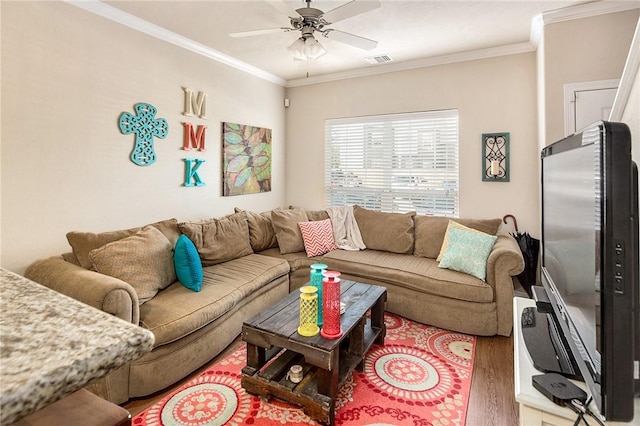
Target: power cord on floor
point(582, 408)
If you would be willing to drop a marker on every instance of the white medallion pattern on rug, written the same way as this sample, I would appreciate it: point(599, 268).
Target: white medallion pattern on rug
point(214, 400)
point(200, 404)
point(456, 348)
point(406, 374)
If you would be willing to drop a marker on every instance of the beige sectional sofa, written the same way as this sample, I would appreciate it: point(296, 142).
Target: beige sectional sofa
point(251, 260)
point(401, 255)
point(189, 327)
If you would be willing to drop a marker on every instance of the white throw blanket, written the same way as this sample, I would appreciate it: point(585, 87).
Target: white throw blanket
point(345, 228)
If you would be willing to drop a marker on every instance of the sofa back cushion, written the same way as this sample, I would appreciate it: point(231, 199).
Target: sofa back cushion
point(220, 239)
point(83, 242)
point(144, 260)
point(430, 232)
point(288, 234)
point(392, 232)
point(261, 233)
point(316, 215)
point(313, 215)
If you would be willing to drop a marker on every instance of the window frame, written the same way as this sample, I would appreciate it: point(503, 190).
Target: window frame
point(394, 162)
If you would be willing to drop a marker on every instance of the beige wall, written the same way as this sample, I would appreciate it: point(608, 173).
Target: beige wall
point(491, 95)
point(67, 75)
point(581, 50)
point(631, 116)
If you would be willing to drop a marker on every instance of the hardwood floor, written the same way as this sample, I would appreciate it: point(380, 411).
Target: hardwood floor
point(492, 400)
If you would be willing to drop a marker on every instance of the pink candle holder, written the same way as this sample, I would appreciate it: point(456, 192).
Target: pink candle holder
point(331, 305)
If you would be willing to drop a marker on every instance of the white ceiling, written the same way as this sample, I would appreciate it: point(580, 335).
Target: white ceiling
point(408, 31)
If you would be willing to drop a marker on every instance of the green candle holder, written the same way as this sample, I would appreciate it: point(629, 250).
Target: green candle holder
point(316, 280)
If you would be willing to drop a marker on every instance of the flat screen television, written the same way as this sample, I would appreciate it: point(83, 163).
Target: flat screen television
point(590, 260)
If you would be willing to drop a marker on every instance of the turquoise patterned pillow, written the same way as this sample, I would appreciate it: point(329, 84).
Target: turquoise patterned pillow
point(188, 264)
point(468, 252)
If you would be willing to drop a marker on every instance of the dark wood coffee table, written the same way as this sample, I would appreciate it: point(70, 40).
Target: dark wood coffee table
point(326, 362)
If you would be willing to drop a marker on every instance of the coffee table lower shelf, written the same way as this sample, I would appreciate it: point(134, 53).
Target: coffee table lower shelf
point(272, 381)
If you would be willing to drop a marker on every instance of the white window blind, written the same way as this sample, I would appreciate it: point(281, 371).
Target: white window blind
point(394, 163)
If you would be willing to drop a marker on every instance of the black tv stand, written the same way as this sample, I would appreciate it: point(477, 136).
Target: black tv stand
point(545, 344)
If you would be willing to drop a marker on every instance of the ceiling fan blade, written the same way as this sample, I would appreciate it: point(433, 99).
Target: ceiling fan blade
point(259, 32)
point(284, 8)
point(350, 39)
point(347, 10)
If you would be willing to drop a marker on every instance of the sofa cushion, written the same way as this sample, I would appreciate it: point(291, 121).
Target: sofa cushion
point(220, 239)
point(468, 251)
point(187, 263)
point(430, 231)
point(285, 225)
point(83, 242)
point(144, 260)
point(392, 232)
point(177, 312)
point(412, 272)
point(317, 237)
point(261, 233)
point(315, 215)
point(445, 241)
point(297, 260)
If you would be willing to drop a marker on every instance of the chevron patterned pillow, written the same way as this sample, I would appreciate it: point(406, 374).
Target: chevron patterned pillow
point(317, 237)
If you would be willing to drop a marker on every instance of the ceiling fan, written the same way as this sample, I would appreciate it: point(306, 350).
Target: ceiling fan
point(309, 21)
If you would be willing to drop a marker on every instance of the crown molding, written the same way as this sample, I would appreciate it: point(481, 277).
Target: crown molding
point(584, 10)
point(102, 9)
point(538, 22)
point(587, 10)
point(472, 55)
point(628, 79)
point(580, 11)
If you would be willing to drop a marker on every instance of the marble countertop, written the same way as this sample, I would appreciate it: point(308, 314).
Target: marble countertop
point(52, 345)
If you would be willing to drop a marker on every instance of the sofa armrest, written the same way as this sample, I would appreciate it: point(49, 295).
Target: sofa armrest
point(505, 261)
point(103, 292)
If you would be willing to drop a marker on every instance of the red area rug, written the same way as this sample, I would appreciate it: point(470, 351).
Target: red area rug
point(421, 376)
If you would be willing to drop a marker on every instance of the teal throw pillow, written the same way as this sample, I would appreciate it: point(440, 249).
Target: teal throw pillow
point(187, 263)
point(468, 252)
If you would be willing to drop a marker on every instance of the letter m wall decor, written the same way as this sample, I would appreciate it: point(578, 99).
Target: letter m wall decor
point(246, 159)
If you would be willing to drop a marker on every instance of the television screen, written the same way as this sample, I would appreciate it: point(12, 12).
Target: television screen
point(590, 259)
point(571, 231)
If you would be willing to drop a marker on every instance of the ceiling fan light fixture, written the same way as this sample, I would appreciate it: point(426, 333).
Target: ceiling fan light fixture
point(297, 49)
point(306, 48)
point(313, 49)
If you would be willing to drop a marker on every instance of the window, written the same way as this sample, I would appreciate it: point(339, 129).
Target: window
point(394, 163)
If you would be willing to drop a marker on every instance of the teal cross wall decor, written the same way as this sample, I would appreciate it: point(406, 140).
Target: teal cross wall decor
point(146, 126)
